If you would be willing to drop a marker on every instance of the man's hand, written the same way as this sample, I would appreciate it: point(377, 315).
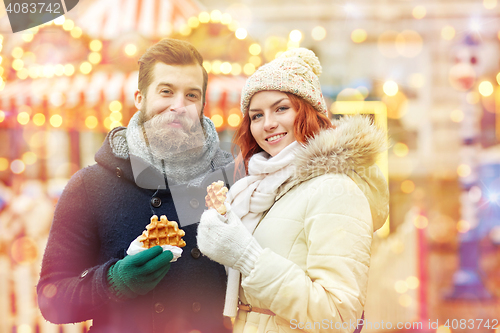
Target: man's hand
point(227, 241)
point(138, 274)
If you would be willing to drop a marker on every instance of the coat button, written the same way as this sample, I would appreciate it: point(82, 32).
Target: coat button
point(194, 203)
point(195, 253)
point(159, 307)
point(119, 172)
point(196, 307)
point(84, 273)
point(156, 202)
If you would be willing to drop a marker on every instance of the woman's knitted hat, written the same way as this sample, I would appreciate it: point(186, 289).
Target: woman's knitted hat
point(295, 71)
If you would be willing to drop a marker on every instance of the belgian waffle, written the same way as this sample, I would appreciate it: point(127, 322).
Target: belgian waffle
point(162, 232)
point(216, 195)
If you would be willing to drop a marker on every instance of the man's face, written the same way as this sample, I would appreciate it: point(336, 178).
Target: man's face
point(172, 109)
point(175, 88)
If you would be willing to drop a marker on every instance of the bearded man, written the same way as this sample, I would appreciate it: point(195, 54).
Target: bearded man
point(161, 164)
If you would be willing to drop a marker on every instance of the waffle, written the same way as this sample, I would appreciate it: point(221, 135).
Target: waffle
point(163, 232)
point(216, 195)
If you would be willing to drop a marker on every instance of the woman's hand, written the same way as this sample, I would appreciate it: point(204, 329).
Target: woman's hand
point(226, 240)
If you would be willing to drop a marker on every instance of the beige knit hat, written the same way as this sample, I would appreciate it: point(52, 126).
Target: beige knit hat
point(295, 71)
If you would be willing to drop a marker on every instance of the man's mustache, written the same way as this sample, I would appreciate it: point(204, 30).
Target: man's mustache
point(166, 118)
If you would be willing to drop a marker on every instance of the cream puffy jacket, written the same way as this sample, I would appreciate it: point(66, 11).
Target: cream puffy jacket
point(313, 271)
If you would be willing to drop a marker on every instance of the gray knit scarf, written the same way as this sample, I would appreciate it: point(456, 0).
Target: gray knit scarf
point(189, 167)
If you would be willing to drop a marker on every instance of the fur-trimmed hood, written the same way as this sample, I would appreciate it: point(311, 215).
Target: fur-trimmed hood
point(351, 148)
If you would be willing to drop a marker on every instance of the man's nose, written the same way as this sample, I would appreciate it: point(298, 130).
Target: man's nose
point(179, 104)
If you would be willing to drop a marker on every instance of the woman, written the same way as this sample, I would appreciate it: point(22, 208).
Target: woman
point(299, 225)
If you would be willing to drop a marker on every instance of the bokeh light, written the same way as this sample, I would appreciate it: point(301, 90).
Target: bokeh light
point(489, 4)
point(24, 250)
point(233, 120)
point(486, 88)
point(419, 12)
point(217, 120)
point(17, 166)
point(448, 32)
point(407, 186)
point(463, 226)
point(416, 80)
point(409, 43)
point(400, 149)
point(226, 67)
point(4, 164)
point(359, 35)
point(248, 69)
point(420, 221)
point(318, 33)
point(254, 49)
point(241, 33)
point(215, 16)
point(443, 329)
point(390, 88)
point(204, 17)
point(29, 158)
point(23, 118)
point(24, 328)
point(130, 49)
point(295, 36)
point(457, 115)
point(464, 170)
point(400, 287)
point(412, 282)
point(85, 67)
point(91, 122)
point(56, 120)
point(405, 300)
point(2, 116)
point(95, 45)
point(115, 106)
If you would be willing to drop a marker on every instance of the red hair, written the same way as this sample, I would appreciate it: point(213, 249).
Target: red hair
point(307, 124)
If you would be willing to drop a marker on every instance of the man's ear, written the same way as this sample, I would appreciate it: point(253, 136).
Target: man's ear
point(138, 99)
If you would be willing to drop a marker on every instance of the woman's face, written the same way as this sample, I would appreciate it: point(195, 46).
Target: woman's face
point(271, 120)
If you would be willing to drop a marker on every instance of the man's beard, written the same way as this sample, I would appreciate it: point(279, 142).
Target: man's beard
point(166, 140)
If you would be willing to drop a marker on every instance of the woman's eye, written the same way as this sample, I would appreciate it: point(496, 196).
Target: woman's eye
point(256, 116)
point(283, 108)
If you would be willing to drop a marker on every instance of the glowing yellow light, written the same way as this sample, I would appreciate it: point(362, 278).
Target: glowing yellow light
point(85, 67)
point(420, 221)
point(130, 49)
point(107, 123)
point(94, 58)
point(115, 106)
point(29, 158)
point(24, 328)
point(185, 30)
point(443, 329)
point(95, 45)
point(116, 116)
point(412, 282)
point(23, 118)
point(39, 119)
point(68, 25)
point(407, 186)
point(48, 71)
point(27, 37)
point(207, 65)
point(69, 70)
point(17, 52)
point(241, 33)
point(114, 124)
point(463, 226)
point(405, 300)
point(498, 78)
point(226, 19)
point(204, 17)
point(390, 88)
point(59, 70)
point(233, 26)
point(193, 22)
point(17, 166)
point(489, 4)
point(318, 33)
point(448, 32)
point(76, 32)
point(359, 35)
point(419, 12)
point(401, 287)
point(486, 88)
point(472, 97)
point(1, 58)
point(2, 116)
point(236, 69)
point(254, 49)
point(233, 120)
point(23, 74)
point(17, 64)
point(457, 115)
point(33, 72)
point(60, 20)
point(248, 69)
point(216, 66)
point(91, 122)
point(4, 164)
point(464, 170)
point(215, 16)
point(56, 120)
point(400, 149)
point(225, 68)
point(255, 60)
point(217, 120)
point(295, 36)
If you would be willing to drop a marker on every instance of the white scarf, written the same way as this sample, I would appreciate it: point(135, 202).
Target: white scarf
point(251, 196)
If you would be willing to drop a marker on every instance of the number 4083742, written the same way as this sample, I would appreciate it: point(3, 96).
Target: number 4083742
point(39, 7)
point(472, 324)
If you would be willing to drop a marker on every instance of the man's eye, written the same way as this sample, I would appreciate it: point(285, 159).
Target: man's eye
point(192, 96)
point(166, 91)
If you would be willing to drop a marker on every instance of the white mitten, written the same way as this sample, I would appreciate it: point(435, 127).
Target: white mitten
point(227, 241)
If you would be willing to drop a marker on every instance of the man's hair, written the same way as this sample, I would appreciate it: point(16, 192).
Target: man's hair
point(171, 52)
point(308, 122)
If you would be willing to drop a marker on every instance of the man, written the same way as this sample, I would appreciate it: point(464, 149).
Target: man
point(159, 165)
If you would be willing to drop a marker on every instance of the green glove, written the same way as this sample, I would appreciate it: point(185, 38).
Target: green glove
point(138, 274)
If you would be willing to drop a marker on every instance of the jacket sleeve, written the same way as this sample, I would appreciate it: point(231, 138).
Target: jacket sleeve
point(72, 284)
point(332, 288)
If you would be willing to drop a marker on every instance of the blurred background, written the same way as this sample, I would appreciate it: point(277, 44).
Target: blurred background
point(426, 71)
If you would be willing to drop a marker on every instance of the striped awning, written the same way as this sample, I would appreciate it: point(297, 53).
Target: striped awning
point(109, 19)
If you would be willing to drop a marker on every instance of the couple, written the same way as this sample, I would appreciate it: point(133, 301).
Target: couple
point(296, 236)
